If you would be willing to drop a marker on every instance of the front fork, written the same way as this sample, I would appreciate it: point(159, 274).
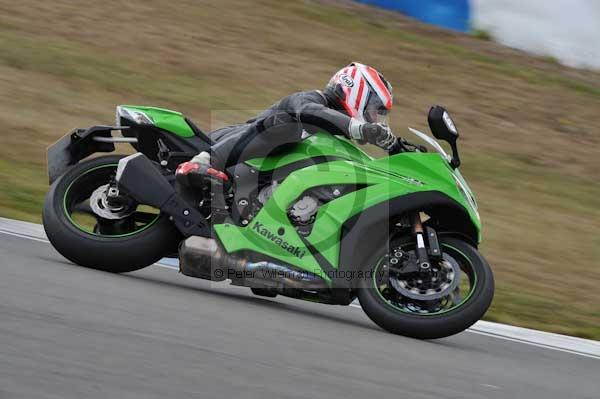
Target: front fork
point(423, 254)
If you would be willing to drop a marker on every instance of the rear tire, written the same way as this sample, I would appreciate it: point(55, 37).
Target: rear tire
point(108, 253)
point(433, 326)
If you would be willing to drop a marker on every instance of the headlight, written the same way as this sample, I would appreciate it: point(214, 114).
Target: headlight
point(133, 115)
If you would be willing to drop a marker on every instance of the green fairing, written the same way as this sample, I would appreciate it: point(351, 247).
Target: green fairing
point(384, 178)
point(171, 121)
point(317, 145)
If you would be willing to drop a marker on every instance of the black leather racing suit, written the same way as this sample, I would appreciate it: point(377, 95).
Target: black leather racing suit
point(282, 123)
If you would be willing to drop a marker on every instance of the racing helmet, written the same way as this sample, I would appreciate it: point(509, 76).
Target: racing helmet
point(362, 92)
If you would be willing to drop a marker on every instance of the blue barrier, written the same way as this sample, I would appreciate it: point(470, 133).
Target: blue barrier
point(451, 14)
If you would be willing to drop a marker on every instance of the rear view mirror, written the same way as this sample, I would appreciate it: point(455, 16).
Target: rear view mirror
point(443, 128)
point(441, 124)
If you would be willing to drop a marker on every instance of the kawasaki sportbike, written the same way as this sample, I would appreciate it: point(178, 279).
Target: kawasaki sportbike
point(319, 220)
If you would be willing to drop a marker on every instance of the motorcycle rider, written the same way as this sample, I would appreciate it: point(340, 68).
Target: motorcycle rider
point(355, 104)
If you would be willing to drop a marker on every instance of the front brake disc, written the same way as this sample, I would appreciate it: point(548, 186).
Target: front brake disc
point(449, 280)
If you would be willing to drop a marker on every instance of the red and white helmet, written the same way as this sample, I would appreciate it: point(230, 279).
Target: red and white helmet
point(362, 92)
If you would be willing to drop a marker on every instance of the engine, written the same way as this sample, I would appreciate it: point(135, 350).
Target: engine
point(302, 212)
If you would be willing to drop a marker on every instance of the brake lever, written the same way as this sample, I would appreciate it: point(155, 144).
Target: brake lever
point(413, 147)
point(402, 145)
point(398, 147)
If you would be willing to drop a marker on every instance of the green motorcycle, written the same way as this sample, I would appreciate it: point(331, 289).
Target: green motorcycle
point(319, 220)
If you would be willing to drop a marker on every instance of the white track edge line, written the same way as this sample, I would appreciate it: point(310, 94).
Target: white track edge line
point(10, 233)
point(537, 344)
point(478, 330)
point(535, 338)
point(29, 237)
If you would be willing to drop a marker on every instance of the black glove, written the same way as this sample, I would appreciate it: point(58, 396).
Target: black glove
point(373, 133)
point(377, 134)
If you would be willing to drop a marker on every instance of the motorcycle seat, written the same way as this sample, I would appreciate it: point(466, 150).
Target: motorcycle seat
point(227, 131)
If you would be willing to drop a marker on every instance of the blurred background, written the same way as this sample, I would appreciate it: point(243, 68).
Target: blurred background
point(562, 30)
point(528, 113)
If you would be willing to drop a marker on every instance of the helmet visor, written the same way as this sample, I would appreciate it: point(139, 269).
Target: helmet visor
point(375, 111)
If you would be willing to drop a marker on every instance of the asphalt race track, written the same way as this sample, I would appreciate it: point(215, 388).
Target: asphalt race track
point(70, 332)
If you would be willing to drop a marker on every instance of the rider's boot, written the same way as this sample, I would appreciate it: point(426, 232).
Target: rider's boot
point(199, 173)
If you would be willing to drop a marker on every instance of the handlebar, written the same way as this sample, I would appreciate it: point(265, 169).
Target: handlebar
point(402, 145)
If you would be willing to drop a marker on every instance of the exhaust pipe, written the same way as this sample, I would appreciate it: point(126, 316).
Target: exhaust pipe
point(140, 178)
point(143, 181)
point(203, 258)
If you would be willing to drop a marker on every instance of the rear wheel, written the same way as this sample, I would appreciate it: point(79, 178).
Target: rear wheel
point(102, 230)
point(453, 295)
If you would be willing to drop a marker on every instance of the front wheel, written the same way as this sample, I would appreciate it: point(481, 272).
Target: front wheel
point(450, 298)
point(89, 230)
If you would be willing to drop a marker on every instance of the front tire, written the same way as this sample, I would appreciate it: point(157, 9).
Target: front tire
point(416, 323)
point(96, 248)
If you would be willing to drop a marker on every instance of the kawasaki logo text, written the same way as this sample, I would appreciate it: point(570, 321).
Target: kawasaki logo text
point(263, 231)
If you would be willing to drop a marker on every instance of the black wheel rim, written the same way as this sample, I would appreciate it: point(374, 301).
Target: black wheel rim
point(394, 299)
point(79, 213)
